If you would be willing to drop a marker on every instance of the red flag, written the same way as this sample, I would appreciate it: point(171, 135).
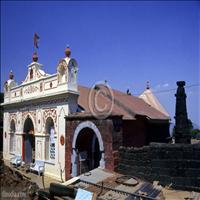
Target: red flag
point(36, 38)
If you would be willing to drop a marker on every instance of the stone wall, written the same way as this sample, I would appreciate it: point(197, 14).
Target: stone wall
point(177, 165)
point(140, 132)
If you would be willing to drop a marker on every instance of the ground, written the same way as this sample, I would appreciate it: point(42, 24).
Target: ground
point(16, 184)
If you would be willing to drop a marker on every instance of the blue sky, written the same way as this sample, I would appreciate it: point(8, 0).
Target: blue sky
point(126, 43)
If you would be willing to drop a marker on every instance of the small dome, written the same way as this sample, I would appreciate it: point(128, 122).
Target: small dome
point(35, 57)
point(67, 52)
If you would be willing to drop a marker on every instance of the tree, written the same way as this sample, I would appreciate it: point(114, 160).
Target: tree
point(194, 132)
point(190, 125)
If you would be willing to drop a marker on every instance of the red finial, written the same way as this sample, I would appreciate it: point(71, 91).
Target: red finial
point(67, 52)
point(35, 57)
point(11, 75)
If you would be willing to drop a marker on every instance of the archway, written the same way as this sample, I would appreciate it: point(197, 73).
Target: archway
point(88, 149)
point(28, 141)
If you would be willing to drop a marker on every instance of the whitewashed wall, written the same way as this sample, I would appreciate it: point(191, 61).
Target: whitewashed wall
point(43, 87)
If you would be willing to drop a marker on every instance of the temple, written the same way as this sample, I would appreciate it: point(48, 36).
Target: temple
point(51, 118)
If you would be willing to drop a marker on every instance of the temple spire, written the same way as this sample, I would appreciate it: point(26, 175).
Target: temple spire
point(148, 85)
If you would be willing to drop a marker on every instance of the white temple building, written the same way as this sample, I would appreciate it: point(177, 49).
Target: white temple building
point(34, 114)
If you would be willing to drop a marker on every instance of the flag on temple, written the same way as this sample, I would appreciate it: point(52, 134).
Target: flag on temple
point(36, 38)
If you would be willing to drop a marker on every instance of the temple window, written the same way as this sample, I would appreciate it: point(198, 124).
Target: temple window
point(6, 86)
point(12, 136)
point(50, 141)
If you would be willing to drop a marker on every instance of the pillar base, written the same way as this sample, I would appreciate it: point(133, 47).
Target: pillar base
point(183, 140)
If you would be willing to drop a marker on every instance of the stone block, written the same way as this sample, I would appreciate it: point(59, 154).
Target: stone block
point(188, 154)
point(196, 154)
point(191, 172)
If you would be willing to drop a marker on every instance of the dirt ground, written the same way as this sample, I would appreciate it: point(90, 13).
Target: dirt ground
point(14, 186)
point(180, 195)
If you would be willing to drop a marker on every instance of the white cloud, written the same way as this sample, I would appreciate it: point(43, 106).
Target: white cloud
point(166, 85)
point(160, 87)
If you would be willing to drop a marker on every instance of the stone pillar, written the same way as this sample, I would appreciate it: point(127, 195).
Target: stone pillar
point(182, 134)
point(74, 158)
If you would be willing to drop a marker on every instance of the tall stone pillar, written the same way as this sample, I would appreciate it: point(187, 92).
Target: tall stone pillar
point(182, 133)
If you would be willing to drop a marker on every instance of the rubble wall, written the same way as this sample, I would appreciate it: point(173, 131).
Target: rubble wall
point(177, 165)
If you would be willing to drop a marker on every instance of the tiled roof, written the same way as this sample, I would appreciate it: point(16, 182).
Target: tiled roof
point(126, 105)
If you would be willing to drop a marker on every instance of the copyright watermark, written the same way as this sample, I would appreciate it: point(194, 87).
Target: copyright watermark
point(101, 100)
point(12, 194)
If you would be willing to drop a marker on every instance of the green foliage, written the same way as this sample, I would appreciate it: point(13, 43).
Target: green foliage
point(190, 125)
point(193, 132)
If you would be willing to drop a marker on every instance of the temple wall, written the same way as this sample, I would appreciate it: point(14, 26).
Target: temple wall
point(35, 109)
point(6, 136)
point(38, 115)
point(177, 165)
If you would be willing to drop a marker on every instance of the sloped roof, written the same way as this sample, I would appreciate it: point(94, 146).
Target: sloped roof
point(151, 99)
point(126, 105)
point(102, 100)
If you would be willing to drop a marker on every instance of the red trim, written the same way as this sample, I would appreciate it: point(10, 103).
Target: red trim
point(62, 140)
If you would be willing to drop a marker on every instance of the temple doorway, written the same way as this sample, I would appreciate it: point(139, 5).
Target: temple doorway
point(28, 141)
point(87, 149)
point(88, 152)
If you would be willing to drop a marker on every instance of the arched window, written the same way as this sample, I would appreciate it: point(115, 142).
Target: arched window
point(29, 141)
point(50, 142)
point(12, 136)
point(6, 87)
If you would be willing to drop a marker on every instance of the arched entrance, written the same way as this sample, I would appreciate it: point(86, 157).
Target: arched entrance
point(28, 141)
point(88, 149)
